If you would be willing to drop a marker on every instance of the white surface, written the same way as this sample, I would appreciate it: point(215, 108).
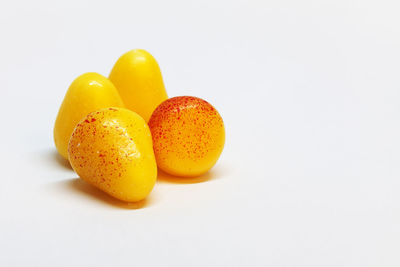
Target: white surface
point(309, 91)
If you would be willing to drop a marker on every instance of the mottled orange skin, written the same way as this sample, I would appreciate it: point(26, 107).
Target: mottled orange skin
point(188, 136)
point(112, 149)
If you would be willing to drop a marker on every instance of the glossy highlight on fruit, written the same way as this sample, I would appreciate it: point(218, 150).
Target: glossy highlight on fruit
point(89, 92)
point(138, 79)
point(188, 136)
point(112, 150)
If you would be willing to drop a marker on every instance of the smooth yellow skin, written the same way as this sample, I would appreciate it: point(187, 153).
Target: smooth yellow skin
point(138, 79)
point(87, 93)
point(112, 149)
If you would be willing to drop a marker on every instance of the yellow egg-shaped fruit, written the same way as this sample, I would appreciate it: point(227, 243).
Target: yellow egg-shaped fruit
point(112, 150)
point(188, 136)
point(137, 77)
point(87, 93)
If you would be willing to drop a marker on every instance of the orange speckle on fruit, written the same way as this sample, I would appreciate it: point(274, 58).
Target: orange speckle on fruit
point(131, 178)
point(188, 135)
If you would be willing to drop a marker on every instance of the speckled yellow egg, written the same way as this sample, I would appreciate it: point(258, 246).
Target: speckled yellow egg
point(112, 150)
point(188, 136)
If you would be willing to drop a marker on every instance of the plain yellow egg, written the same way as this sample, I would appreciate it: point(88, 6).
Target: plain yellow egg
point(137, 77)
point(87, 93)
point(112, 150)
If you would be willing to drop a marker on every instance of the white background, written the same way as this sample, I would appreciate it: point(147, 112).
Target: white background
point(310, 94)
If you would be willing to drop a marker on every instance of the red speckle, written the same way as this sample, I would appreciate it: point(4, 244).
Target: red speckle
point(185, 128)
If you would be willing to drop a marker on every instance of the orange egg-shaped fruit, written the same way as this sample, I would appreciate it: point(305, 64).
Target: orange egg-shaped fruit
point(112, 149)
point(188, 136)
